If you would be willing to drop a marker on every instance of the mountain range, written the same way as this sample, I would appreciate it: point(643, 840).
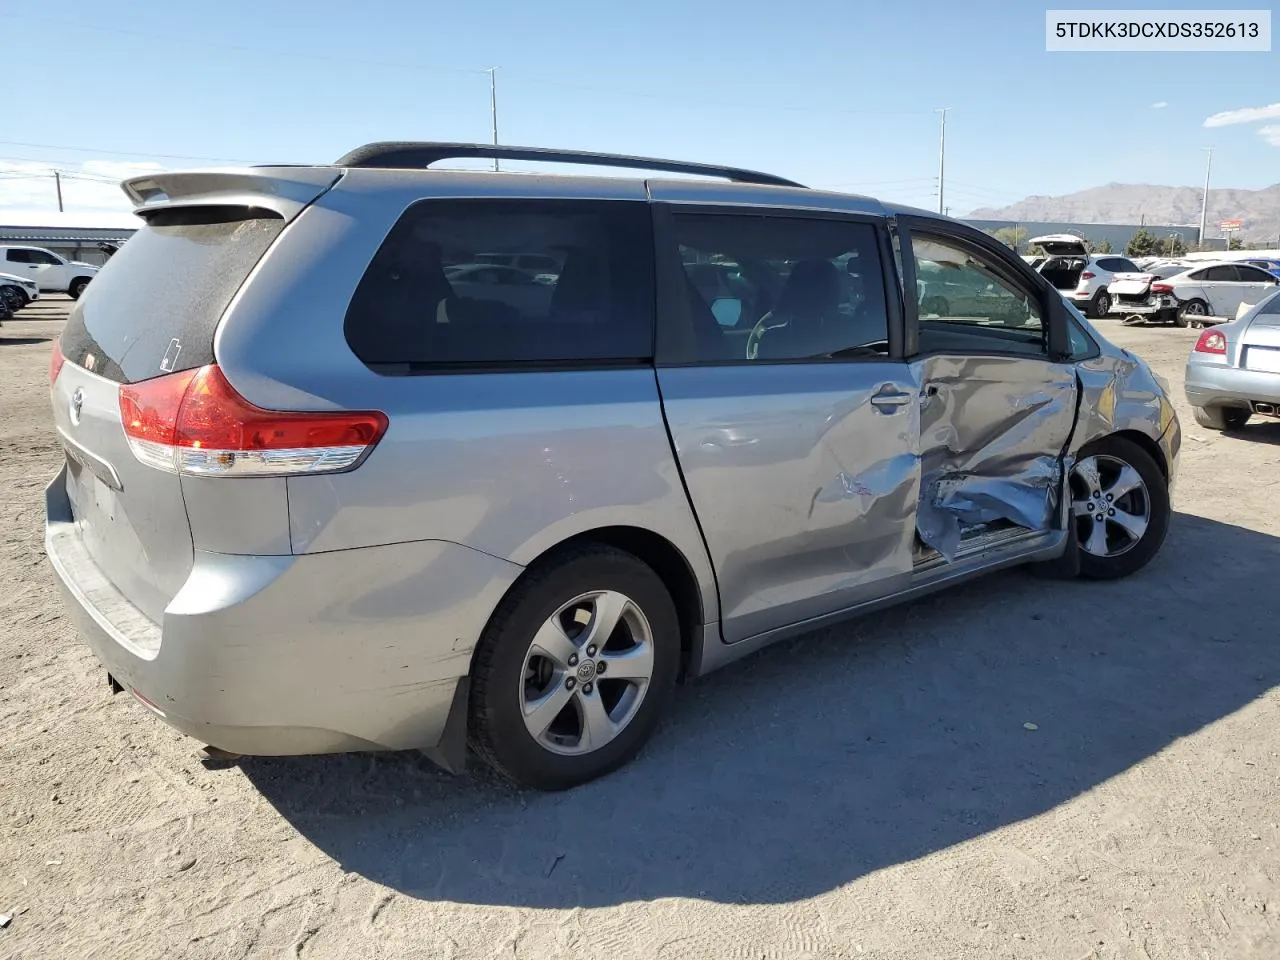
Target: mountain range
point(1149, 203)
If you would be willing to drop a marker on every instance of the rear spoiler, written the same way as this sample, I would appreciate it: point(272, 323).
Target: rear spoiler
point(282, 190)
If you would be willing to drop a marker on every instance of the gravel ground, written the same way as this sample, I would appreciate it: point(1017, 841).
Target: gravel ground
point(826, 798)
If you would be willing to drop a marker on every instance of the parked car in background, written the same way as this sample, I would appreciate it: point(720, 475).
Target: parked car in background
point(315, 500)
point(1264, 263)
point(1081, 277)
point(18, 291)
point(52, 273)
point(1211, 290)
point(1233, 371)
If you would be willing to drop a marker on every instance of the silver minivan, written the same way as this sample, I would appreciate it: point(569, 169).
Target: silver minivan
point(319, 497)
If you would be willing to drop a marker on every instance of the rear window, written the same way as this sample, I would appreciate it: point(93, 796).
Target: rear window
point(153, 308)
point(448, 287)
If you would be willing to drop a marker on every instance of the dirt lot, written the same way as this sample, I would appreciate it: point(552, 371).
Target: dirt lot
point(868, 791)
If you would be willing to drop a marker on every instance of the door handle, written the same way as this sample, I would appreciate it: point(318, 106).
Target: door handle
point(888, 400)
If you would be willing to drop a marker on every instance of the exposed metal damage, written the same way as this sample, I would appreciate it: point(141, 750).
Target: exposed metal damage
point(985, 426)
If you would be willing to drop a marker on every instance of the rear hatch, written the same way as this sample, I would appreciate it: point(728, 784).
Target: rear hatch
point(152, 311)
point(1061, 245)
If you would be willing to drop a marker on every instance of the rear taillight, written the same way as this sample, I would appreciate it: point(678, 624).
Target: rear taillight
point(56, 360)
point(1087, 275)
point(1211, 341)
point(194, 422)
point(1161, 288)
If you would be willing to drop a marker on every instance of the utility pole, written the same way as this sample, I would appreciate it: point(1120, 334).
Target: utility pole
point(493, 108)
point(1204, 202)
point(57, 183)
point(942, 157)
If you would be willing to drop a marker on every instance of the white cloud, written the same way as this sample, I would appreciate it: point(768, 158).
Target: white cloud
point(94, 185)
point(1160, 106)
point(1243, 115)
point(1271, 134)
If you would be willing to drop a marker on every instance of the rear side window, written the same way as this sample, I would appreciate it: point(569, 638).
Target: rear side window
point(448, 289)
point(1117, 265)
point(153, 308)
point(1220, 273)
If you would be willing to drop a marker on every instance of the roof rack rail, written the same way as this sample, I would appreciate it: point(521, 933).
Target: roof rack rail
point(408, 154)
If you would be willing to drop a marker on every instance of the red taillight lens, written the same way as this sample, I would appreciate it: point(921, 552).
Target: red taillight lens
point(195, 422)
point(1161, 288)
point(1211, 342)
point(56, 360)
point(1087, 275)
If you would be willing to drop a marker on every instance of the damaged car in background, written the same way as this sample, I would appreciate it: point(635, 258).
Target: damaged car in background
point(515, 524)
point(1194, 294)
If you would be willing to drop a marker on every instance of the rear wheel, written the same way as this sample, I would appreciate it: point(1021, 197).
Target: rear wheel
point(574, 670)
point(1120, 506)
point(1193, 314)
point(1221, 418)
point(1100, 305)
point(76, 287)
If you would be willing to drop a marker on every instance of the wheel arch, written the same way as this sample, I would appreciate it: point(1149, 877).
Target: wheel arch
point(1148, 445)
point(660, 555)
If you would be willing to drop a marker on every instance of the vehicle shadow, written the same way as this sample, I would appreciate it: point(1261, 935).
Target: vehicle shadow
point(23, 341)
point(818, 761)
point(1258, 430)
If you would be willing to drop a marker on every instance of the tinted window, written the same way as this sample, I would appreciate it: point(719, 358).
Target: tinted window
point(776, 288)
point(42, 256)
point(152, 309)
point(1117, 265)
point(1224, 272)
point(439, 290)
point(958, 288)
point(1272, 306)
point(17, 256)
point(1253, 274)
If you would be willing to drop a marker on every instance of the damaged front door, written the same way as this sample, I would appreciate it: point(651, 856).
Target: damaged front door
point(996, 407)
point(792, 414)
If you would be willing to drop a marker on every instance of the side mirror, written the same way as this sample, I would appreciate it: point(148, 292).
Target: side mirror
point(727, 311)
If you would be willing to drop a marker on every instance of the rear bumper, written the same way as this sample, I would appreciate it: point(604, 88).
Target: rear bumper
point(1213, 385)
point(325, 653)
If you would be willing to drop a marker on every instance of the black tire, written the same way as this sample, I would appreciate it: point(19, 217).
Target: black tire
point(76, 288)
point(13, 298)
point(496, 727)
point(1221, 418)
point(1095, 567)
point(1100, 305)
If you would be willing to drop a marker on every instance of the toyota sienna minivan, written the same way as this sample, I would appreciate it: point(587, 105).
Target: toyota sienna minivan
point(317, 499)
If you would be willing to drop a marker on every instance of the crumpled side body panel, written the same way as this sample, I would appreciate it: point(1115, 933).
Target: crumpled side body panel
point(993, 431)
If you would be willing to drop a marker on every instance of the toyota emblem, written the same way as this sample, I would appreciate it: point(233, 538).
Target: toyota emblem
point(77, 401)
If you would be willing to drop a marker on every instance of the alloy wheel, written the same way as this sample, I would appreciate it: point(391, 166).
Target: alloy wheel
point(1109, 504)
point(586, 673)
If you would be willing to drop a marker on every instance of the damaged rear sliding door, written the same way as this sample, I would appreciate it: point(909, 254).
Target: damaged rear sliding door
point(997, 407)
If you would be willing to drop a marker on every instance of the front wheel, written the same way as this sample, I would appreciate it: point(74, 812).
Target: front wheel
point(1120, 506)
point(574, 670)
point(76, 287)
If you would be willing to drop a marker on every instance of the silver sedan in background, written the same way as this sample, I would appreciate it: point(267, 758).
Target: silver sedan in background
point(1234, 369)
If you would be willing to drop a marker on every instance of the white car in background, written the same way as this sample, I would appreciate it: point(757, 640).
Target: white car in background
point(18, 291)
point(51, 272)
point(1196, 294)
point(1082, 277)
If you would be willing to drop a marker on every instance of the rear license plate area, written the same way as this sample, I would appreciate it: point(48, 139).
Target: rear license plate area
point(1262, 359)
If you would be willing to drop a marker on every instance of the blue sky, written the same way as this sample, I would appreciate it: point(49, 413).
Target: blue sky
point(839, 94)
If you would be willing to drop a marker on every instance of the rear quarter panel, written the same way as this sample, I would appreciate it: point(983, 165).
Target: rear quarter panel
point(510, 464)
